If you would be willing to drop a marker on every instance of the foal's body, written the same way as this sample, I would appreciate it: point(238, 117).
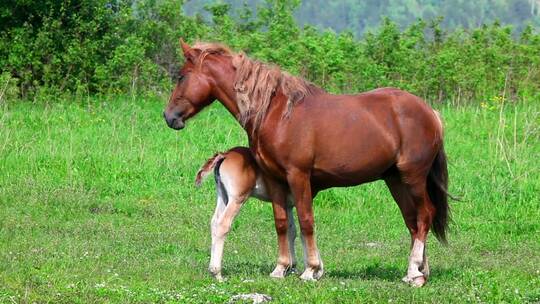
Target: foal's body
point(238, 178)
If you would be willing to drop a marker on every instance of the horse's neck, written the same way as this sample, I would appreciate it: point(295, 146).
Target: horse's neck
point(227, 98)
point(230, 103)
point(278, 106)
point(277, 110)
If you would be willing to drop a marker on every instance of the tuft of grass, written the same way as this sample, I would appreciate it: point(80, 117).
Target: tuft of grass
point(98, 204)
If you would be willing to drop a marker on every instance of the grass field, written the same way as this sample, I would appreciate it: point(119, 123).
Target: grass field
point(98, 204)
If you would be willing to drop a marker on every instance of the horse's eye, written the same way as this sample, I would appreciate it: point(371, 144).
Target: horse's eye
point(180, 78)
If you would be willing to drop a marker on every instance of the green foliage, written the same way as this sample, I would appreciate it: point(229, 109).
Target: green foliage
point(92, 47)
point(8, 87)
point(89, 46)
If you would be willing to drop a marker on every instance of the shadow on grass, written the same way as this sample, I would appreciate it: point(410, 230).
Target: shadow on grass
point(248, 268)
point(374, 272)
point(387, 273)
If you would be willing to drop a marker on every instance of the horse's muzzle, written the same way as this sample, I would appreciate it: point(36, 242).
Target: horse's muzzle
point(175, 122)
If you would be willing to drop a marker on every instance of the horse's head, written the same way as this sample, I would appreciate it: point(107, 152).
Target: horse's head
point(195, 86)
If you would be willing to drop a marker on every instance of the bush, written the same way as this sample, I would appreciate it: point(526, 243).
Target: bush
point(9, 89)
point(95, 47)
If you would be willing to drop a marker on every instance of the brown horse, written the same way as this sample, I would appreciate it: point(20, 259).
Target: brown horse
point(307, 140)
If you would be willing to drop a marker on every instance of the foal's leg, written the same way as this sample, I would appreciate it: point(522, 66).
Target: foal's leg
point(299, 183)
point(215, 261)
point(291, 236)
point(221, 224)
point(304, 250)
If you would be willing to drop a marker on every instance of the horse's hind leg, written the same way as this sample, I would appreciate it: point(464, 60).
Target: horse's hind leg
point(425, 214)
point(417, 212)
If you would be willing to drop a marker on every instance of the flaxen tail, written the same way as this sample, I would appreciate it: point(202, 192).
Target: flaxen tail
point(207, 168)
point(437, 188)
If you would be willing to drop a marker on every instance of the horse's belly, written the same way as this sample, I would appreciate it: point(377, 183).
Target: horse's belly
point(343, 177)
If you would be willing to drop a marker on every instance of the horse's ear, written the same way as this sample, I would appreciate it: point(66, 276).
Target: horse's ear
point(185, 47)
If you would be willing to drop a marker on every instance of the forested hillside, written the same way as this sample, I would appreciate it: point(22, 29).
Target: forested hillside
point(51, 48)
point(361, 16)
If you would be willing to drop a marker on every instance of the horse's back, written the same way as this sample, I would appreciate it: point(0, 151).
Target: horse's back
point(356, 138)
point(412, 116)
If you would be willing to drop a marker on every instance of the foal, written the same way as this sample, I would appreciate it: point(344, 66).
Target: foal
point(237, 178)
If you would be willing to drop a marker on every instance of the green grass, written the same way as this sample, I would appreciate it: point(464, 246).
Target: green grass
point(98, 204)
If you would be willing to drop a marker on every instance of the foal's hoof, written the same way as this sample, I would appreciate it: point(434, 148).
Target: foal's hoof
point(280, 272)
point(311, 274)
point(216, 274)
point(219, 278)
point(415, 282)
point(293, 269)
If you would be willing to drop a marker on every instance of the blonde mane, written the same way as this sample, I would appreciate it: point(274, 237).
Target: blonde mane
point(256, 82)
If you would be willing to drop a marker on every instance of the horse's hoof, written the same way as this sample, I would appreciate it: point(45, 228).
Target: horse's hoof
point(418, 282)
point(415, 282)
point(425, 271)
point(312, 275)
point(216, 273)
point(293, 269)
point(279, 272)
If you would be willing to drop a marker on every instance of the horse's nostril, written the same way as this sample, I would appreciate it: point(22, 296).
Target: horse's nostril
point(174, 119)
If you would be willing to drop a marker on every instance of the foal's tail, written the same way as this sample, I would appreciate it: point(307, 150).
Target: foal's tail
point(207, 168)
point(437, 188)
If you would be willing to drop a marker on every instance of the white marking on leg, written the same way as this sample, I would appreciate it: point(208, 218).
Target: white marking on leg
point(414, 276)
point(310, 273)
point(279, 272)
point(215, 253)
point(220, 232)
point(222, 224)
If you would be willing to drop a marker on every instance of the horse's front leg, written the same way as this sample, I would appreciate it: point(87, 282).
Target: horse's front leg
point(300, 185)
point(220, 226)
point(284, 262)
